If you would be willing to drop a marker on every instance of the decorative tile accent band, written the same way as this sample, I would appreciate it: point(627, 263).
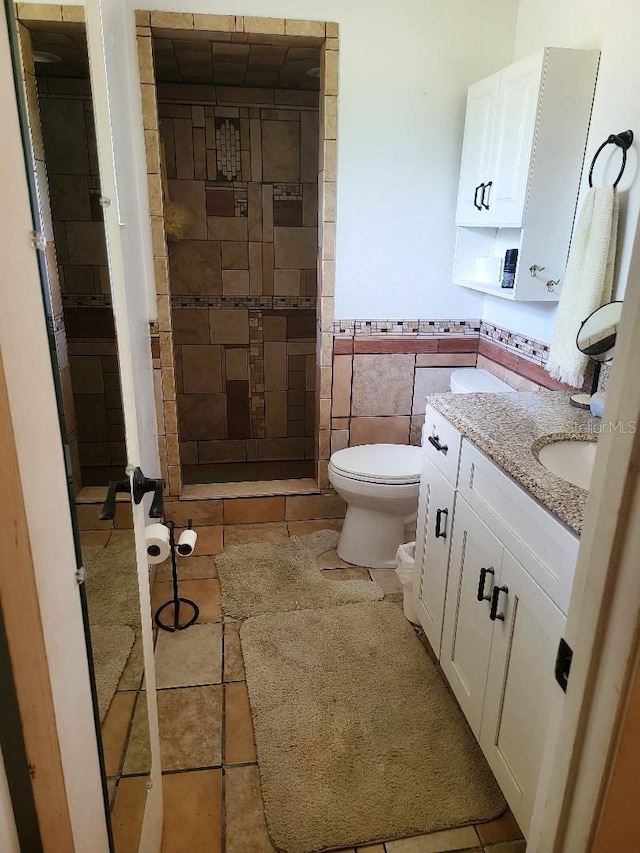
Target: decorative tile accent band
point(265, 303)
point(516, 343)
point(413, 328)
point(86, 300)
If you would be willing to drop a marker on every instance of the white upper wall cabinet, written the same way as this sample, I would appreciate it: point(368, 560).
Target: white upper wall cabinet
point(512, 142)
point(482, 102)
point(524, 141)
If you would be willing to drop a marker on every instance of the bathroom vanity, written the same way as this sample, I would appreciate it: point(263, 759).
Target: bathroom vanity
point(497, 543)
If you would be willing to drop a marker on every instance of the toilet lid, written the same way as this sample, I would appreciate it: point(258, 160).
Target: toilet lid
point(379, 463)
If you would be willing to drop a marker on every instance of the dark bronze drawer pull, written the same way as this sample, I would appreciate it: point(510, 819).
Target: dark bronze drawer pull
point(435, 441)
point(483, 577)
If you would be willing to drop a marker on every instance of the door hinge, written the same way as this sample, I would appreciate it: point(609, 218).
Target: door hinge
point(37, 241)
point(149, 784)
point(104, 201)
point(563, 663)
point(80, 575)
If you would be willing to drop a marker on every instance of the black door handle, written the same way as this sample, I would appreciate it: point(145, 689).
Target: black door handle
point(108, 511)
point(485, 187)
point(493, 615)
point(141, 485)
point(475, 196)
point(483, 576)
point(441, 533)
point(435, 441)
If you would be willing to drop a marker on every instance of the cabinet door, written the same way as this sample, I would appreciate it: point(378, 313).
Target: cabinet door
point(466, 634)
point(521, 689)
point(512, 142)
point(476, 148)
point(435, 520)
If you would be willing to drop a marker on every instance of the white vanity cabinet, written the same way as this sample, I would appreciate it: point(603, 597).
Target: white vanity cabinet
point(435, 521)
point(492, 597)
point(524, 140)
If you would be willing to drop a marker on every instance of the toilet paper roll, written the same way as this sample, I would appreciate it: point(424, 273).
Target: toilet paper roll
point(187, 543)
point(158, 547)
point(488, 270)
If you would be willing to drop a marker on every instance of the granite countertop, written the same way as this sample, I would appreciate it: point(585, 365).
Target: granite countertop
point(511, 428)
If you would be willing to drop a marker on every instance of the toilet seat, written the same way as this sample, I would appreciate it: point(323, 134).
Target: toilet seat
point(385, 464)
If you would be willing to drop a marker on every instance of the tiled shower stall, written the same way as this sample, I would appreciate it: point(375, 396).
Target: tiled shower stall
point(242, 272)
point(226, 104)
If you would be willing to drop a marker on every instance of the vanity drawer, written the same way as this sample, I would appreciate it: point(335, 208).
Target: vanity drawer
point(542, 544)
point(441, 444)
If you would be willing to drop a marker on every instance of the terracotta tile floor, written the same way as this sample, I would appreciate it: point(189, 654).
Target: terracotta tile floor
point(213, 800)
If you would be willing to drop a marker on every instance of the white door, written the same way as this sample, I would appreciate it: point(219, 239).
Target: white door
point(435, 523)
point(511, 147)
point(474, 568)
point(125, 247)
point(482, 102)
point(521, 689)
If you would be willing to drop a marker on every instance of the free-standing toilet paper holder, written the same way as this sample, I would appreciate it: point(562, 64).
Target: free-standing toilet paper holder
point(177, 600)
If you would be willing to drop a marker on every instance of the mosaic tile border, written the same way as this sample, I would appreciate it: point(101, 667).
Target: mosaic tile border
point(257, 303)
point(521, 345)
point(409, 328)
point(515, 342)
point(87, 300)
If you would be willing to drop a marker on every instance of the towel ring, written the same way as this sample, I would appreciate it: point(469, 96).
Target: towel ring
point(623, 141)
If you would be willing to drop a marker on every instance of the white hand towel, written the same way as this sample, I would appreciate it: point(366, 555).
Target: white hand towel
point(587, 284)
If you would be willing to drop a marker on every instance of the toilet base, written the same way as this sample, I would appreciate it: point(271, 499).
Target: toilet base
point(371, 538)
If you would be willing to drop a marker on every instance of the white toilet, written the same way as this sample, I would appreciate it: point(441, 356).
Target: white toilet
point(380, 484)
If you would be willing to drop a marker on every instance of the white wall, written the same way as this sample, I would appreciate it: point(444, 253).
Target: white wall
point(405, 66)
point(613, 28)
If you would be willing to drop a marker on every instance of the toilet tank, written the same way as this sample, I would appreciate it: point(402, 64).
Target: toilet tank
point(471, 380)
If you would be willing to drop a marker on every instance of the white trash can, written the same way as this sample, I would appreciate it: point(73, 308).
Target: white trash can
point(406, 566)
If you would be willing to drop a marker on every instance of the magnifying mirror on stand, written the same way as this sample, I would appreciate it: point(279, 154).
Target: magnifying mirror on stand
point(597, 339)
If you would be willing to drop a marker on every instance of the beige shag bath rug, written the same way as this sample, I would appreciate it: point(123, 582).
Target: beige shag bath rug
point(358, 738)
point(113, 602)
point(262, 577)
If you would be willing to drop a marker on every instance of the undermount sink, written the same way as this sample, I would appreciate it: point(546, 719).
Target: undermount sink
point(570, 460)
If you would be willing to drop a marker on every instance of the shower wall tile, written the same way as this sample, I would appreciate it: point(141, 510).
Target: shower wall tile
point(250, 233)
point(201, 369)
point(195, 267)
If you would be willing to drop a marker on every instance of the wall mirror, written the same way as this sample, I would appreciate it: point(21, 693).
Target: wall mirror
point(597, 334)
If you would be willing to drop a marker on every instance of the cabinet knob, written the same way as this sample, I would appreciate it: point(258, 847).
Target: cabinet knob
point(483, 577)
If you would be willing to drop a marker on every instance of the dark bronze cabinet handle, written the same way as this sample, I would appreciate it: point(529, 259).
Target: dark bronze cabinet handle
point(493, 615)
point(435, 441)
point(483, 576)
point(441, 534)
point(485, 187)
point(475, 197)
